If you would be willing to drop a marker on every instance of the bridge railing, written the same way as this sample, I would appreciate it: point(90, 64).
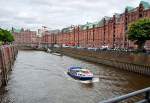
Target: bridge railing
point(145, 91)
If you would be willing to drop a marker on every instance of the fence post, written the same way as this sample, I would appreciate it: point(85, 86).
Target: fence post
point(147, 96)
point(4, 75)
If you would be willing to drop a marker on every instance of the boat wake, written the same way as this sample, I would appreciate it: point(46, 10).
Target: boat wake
point(57, 54)
point(94, 80)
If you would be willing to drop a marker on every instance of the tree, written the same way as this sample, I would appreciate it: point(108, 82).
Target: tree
point(6, 36)
point(139, 32)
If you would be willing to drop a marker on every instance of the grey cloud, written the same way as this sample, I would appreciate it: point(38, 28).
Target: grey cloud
point(58, 13)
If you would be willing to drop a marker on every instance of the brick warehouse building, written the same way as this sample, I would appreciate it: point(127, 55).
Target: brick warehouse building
point(110, 31)
point(25, 37)
point(48, 38)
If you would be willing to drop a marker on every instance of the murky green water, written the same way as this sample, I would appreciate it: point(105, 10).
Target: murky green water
point(39, 77)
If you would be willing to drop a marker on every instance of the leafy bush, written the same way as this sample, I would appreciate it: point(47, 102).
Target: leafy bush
point(6, 36)
point(139, 32)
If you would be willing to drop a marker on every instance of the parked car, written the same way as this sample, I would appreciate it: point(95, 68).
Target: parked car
point(57, 46)
point(90, 48)
point(79, 47)
point(104, 47)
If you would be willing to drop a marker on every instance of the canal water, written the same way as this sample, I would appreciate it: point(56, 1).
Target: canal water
point(40, 77)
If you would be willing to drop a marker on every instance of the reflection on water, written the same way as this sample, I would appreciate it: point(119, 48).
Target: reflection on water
point(40, 77)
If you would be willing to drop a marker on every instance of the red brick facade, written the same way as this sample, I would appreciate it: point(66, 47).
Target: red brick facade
point(26, 37)
point(48, 39)
point(111, 33)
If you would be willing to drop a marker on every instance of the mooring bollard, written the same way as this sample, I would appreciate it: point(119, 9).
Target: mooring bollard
point(147, 96)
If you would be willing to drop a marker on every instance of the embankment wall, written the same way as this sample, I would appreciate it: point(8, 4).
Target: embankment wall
point(8, 55)
point(133, 62)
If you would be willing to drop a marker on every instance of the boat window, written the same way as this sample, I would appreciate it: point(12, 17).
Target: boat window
point(86, 72)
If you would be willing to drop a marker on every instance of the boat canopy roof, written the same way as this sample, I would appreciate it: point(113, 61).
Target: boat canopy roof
point(78, 69)
point(75, 68)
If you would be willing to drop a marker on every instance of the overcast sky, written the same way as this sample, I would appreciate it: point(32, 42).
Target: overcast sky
point(58, 13)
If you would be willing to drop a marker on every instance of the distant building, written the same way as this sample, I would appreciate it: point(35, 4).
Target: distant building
point(108, 32)
point(48, 38)
point(25, 37)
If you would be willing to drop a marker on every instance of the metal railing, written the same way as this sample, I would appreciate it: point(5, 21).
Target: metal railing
point(145, 91)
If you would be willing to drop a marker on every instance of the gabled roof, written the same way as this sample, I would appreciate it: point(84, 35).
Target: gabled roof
point(107, 18)
point(96, 23)
point(17, 30)
point(89, 25)
point(145, 4)
point(101, 22)
point(129, 8)
point(67, 29)
point(117, 17)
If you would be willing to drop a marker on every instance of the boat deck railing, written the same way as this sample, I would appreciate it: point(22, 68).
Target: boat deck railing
point(126, 97)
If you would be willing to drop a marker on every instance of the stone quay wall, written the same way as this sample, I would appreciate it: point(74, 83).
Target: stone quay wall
point(133, 62)
point(8, 55)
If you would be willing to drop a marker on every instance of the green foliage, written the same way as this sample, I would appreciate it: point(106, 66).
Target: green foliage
point(6, 36)
point(139, 32)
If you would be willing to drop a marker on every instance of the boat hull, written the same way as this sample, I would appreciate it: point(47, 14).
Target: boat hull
point(79, 77)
